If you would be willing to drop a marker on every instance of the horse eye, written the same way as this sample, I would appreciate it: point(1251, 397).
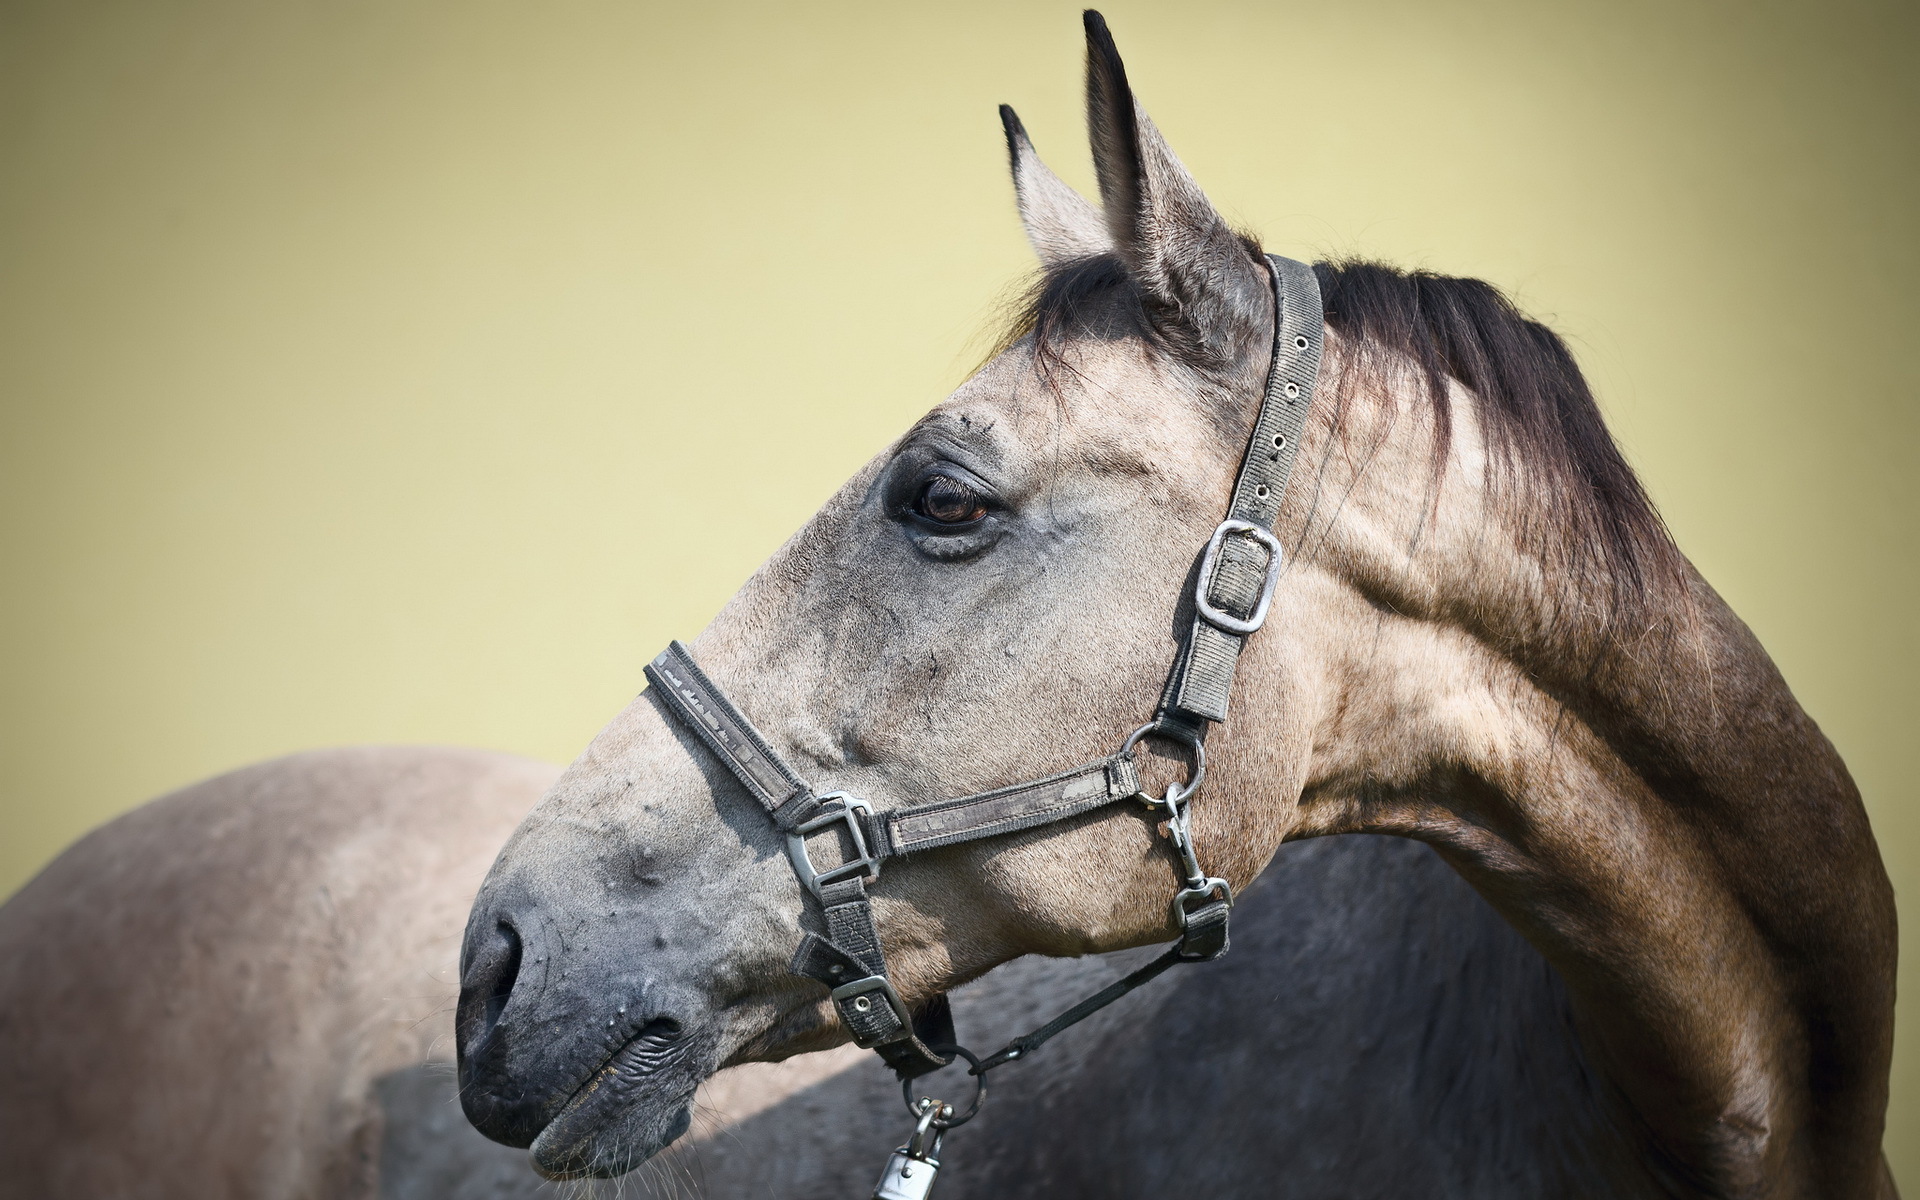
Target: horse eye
point(947, 501)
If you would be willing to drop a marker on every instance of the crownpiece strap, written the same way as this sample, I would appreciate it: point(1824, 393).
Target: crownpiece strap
point(1243, 560)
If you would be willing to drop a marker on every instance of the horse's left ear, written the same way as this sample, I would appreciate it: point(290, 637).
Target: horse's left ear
point(1204, 287)
point(1060, 224)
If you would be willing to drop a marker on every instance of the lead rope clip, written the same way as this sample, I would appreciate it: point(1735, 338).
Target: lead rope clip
point(911, 1169)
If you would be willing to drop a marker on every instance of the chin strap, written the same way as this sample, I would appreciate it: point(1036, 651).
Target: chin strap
point(1239, 570)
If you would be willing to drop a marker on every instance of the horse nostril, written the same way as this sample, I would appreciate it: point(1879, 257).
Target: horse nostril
point(509, 970)
point(490, 977)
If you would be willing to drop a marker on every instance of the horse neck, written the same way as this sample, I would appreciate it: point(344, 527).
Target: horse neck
point(1630, 782)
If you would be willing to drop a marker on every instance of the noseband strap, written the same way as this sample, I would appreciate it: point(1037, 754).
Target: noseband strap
point(1239, 570)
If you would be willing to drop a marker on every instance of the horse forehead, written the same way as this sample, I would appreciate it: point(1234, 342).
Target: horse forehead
point(1100, 395)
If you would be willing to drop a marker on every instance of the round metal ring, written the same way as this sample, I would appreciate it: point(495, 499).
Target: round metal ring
point(1174, 733)
point(979, 1088)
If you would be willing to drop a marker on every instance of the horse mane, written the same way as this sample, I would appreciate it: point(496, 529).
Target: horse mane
point(1584, 508)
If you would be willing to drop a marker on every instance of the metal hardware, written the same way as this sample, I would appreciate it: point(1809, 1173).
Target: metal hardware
point(907, 1177)
point(863, 863)
point(947, 1119)
point(1200, 885)
point(1185, 735)
point(1211, 613)
point(859, 995)
point(1206, 889)
point(911, 1168)
point(1180, 831)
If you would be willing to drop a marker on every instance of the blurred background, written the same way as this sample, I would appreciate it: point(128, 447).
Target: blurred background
point(342, 344)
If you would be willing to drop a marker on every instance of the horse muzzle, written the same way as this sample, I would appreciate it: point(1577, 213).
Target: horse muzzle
point(577, 1047)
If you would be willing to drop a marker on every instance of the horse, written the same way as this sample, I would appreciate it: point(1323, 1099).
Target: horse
point(1482, 640)
point(1609, 919)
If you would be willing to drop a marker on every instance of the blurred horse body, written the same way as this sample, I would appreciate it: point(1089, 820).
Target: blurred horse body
point(202, 997)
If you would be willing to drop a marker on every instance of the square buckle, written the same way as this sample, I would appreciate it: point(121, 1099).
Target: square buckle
point(863, 863)
point(1211, 613)
point(864, 990)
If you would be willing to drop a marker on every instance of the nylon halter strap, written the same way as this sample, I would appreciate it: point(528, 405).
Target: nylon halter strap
point(1239, 569)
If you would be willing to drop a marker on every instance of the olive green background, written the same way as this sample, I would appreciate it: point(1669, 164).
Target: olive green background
point(409, 372)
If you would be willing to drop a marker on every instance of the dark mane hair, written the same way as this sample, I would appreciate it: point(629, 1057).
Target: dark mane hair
point(1586, 510)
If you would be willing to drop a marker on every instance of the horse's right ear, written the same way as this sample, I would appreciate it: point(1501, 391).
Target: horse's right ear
point(1060, 224)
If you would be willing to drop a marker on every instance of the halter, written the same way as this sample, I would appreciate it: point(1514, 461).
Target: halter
point(1232, 593)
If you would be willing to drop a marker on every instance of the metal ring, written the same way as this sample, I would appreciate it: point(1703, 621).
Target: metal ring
point(979, 1088)
point(1176, 792)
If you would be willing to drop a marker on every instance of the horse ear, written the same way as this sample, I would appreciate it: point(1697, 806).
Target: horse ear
point(1202, 283)
point(1059, 222)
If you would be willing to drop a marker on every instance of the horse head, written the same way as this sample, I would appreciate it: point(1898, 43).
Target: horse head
point(1475, 641)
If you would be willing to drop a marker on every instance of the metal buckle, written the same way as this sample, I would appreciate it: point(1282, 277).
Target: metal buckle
point(859, 993)
point(1213, 614)
point(863, 863)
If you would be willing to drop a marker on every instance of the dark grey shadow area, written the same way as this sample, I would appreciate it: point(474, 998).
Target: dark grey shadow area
point(428, 1151)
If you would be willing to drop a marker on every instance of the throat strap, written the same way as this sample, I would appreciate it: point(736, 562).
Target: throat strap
point(1008, 809)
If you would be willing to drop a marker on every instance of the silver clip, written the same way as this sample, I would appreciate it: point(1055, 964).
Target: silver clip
point(911, 1168)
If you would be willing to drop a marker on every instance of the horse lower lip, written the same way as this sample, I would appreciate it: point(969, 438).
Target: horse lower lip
point(563, 1148)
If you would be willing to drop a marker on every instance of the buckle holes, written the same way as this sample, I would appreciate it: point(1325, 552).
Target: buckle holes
point(1300, 341)
point(1293, 390)
point(1261, 491)
point(1280, 441)
point(863, 1003)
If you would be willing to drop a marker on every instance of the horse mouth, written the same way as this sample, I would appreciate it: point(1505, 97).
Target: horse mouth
point(629, 1108)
